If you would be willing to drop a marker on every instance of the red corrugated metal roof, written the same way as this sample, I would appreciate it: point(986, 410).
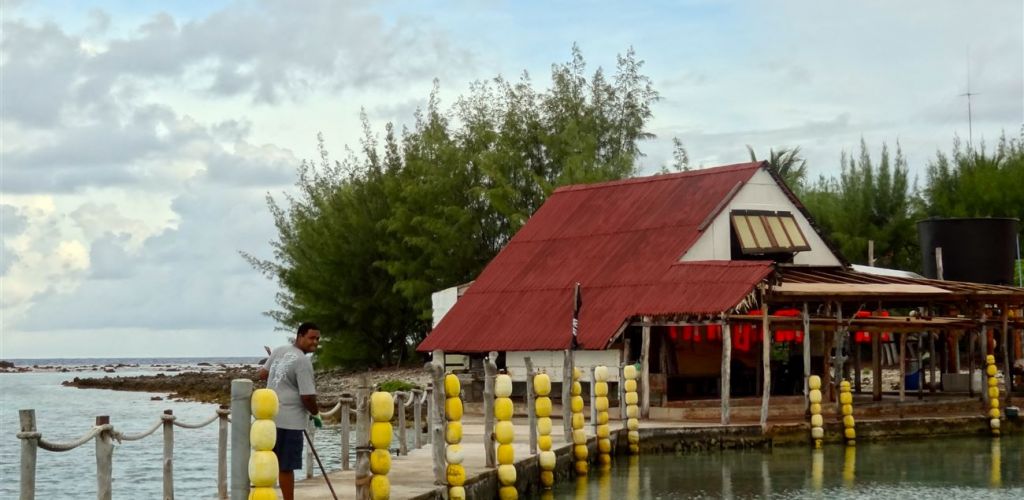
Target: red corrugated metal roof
point(622, 242)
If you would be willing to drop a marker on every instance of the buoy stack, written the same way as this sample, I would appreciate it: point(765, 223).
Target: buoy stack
point(262, 437)
point(504, 432)
point(632, 409)
point(382, 408)
point(455, 473)
point(817, 421)
point(542, 407)
point(579, 436)
point(604, 442)
point(846, 400)
point(993, 394)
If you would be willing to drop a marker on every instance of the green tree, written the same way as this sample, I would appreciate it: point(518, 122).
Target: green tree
point(869, 201)
point(365, 241)
point(974, 183)
point(788, 163)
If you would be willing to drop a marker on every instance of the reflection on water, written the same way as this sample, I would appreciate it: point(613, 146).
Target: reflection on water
point(935, 468)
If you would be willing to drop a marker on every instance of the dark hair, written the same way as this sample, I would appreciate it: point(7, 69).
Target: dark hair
point(307, 326)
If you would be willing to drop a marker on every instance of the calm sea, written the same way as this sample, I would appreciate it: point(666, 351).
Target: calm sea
point(65, 413)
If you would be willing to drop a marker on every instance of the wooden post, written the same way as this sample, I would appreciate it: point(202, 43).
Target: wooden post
point(29, 450)
point(168, 421)
point(931, 362)
point(222, 451)
point(970, 364)
point(346, 436)
point(645, 369)
point(871, 253)
point(567, 363)
point(363, 447)
point(417, 420)
point(308, 460)
point(530, 411)
point(1007, 374)
point(438, 422)
point(838, 361)
point(592, 372)
point(938, 263)
point(826, 376)
point(726, 370)
point(766, 347)
point(903, 365)
point(403, 446)
point(621, 391)
point(876, 366)
point(807, 356)
point(241, 416)
point(104, 461)
point(856, 365)
point(490, 374)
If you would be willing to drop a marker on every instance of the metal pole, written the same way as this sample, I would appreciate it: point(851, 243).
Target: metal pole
point(241, 416)
point(321, 464)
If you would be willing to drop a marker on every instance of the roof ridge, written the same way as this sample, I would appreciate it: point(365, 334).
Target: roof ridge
point(660, 177)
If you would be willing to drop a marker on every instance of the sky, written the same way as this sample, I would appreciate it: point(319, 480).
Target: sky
point(139, 140)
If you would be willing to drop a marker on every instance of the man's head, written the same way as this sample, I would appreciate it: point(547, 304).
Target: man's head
point(308, 337)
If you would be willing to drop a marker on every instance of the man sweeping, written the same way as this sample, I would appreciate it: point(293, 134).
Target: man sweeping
point(289, 372)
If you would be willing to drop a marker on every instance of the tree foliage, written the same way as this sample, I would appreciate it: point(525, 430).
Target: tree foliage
point(367, 239)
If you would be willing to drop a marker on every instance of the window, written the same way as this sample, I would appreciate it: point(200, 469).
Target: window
point(763, 232)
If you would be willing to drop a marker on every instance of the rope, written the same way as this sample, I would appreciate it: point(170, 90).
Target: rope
point(332, 411)
point(199, 425)
point(48, 446)
point(135, 437)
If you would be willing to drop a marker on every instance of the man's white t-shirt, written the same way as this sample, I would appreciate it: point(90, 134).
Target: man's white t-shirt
point(291, 376)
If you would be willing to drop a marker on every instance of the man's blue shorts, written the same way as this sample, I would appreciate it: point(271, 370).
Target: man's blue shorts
point(288, 449)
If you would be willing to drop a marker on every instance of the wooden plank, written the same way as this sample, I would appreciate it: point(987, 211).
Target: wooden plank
point(855, 289)
point(726, 371)
point(645, 370)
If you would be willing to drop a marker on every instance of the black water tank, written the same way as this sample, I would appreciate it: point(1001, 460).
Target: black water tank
point(981, 250)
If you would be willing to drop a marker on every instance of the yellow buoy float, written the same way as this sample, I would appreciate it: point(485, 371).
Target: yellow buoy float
point(817, 421)
point(542, 407)
point(632, 409)
point(504, 433)
point(382, 408)
point(455, 472)
point(604, 444)
point(263, 468)
point(846, 399)
point(579, 436)
point(993, 394)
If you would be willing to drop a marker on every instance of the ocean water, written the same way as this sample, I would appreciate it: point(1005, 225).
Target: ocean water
point(65, 413)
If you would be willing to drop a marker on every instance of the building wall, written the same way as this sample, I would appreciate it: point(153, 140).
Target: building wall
point(443, 301)
point(551, 362)
point(761, 192)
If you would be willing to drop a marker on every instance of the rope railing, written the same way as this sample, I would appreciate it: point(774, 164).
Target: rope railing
point(105, 434)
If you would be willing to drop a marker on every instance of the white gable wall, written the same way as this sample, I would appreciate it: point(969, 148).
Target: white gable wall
point(761, 192)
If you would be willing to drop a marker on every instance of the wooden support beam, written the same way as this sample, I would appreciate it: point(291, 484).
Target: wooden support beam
point(1007, 374)
point(726, 371)
point(567, 366)
point(530, 411)
point(490, 375)
point(437, 424)
point(645, 369)
point(766, 362)
point(807, 355)
point(903, 365)
point(876, 366)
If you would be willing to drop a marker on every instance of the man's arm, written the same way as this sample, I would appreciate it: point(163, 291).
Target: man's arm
point(309, 402)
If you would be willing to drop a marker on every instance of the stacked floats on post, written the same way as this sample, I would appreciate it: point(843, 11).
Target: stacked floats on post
point(542, 407)
point(604, 443)
point(632, 409)
point(455, 472)
point(382, 408)
point(817, 421)
point(504, 433)
point(579, 436)
point(993, 394)
point(846, 400)
point(262, 436)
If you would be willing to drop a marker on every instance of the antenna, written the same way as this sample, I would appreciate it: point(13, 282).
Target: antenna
point(968, 94)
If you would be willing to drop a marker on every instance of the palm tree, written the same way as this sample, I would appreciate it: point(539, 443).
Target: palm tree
point(788, 163)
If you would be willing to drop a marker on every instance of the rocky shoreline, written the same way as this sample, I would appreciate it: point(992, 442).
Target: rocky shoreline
point(214, 386)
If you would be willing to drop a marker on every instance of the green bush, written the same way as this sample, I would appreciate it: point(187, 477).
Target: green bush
point(397, 385)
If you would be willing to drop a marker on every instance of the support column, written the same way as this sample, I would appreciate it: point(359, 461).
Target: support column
point(726, 370)
point(241, 416)
point(1007, 374)
point(903, 365)
point(766, 347)
point(645, 369)
point(807, 354)
point(876, 366)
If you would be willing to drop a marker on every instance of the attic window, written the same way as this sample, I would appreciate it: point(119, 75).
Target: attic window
point(764, 232)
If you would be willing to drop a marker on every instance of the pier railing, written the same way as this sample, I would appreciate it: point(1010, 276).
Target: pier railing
point(105, 434)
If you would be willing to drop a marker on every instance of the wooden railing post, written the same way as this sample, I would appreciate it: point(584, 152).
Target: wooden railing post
point(403, 446)
point(308, 450)
point(104, 460)
point(29, 448)
point(346, 437)
point(490, 372)
point(168, 421)
point(437, 423)
point(567, 369)
point(417, 405)
point(222, 452)
point(363, 439)
point(530, 410)
point(241, 416)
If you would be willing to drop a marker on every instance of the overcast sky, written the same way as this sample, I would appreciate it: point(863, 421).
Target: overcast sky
point(139, 139)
